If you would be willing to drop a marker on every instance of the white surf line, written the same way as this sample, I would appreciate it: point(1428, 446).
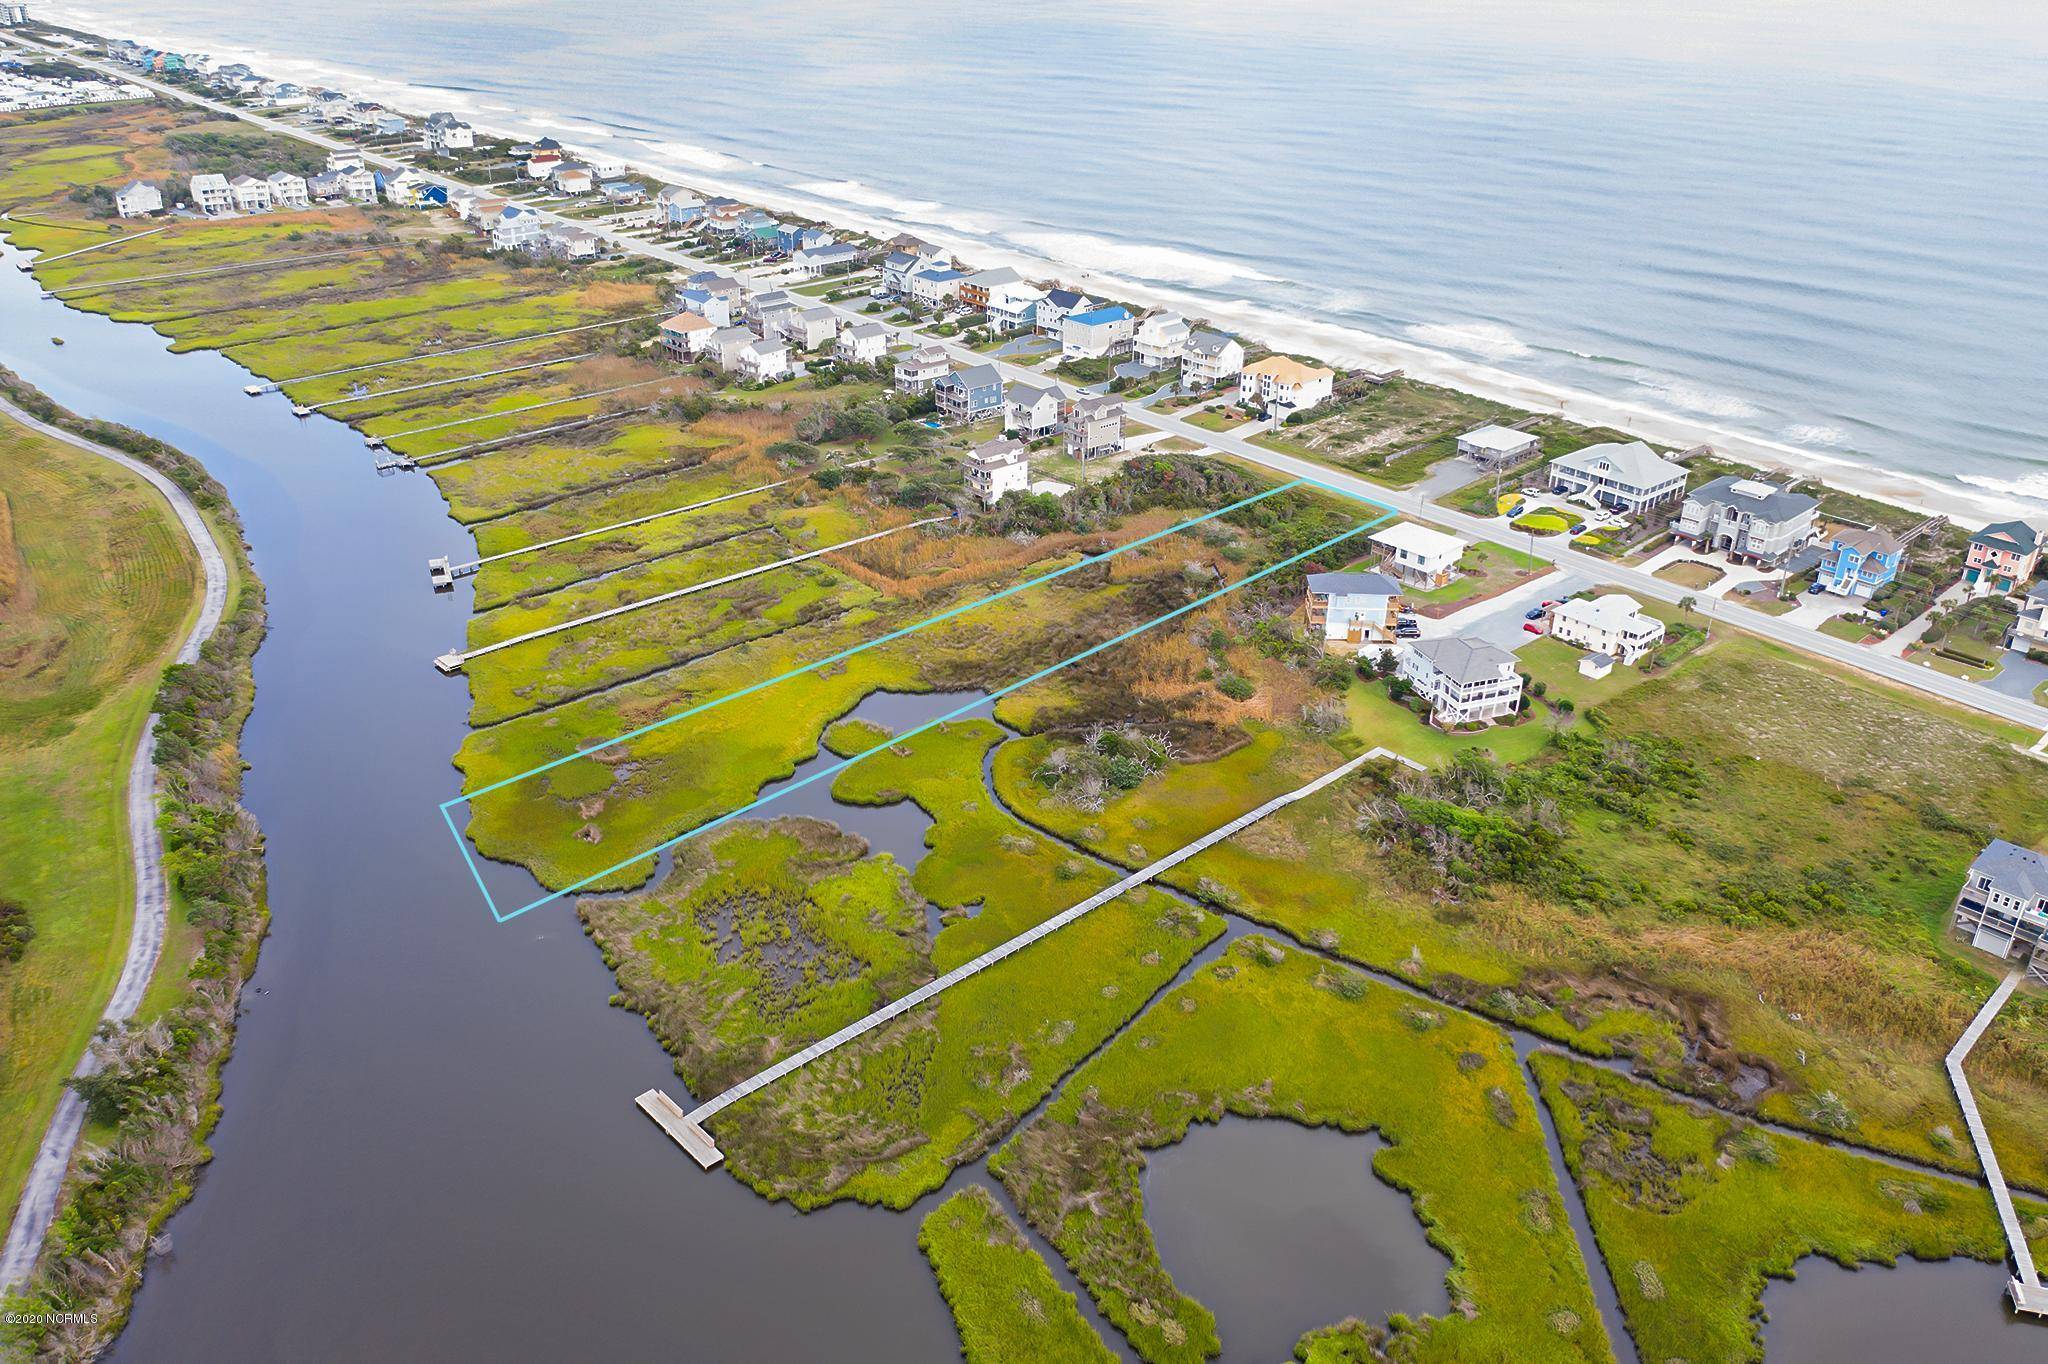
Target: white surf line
point(2025, 1288)
point(693, 1121)
point(100, 246)
point(65, 290)
point(441, 383)
point(515, 411)
point(45, 1182)
point(272, 385)
point(452, 662)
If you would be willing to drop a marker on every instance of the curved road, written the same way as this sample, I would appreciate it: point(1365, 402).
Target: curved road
point(152, 892)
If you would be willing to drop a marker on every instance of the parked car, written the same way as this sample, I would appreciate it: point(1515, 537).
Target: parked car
point(1816, 589)
point(1533, 627)
point(1579, 528)
point(1533, 613)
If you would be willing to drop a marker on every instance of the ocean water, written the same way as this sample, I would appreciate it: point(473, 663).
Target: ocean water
point(1819, 225)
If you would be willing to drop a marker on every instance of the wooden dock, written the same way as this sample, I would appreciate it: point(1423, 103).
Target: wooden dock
point(2025, 1288)
point(692, 1138)
point(697, 1116)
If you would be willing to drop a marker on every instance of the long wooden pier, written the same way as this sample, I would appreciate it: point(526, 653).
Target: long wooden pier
point(696, 1117)
point(2025, 1288)
point(453, 662)
point(375, 441)
point(28, 265)
point(308, 409)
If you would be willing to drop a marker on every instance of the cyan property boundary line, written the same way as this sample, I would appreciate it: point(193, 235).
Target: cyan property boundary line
point(832, 770)
point(688, 1128)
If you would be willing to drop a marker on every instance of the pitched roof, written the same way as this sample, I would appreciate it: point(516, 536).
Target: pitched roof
point(1463, 660)
point(976, 376)
point(1610, 612)
point(1867, 541)
point(997, 453)
point(867, 331)
point(1418, 539)
point(1026, 392)
point(687, 322)
point(1633, 462)
point(1288, 370)
point(1208, 343)
point(2013, 535)
point(1065, 298)
point(1760, 499)
point(1353, 584)
point(2013, 869)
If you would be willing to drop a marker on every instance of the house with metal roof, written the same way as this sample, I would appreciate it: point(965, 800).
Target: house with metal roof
point(1053, 309)
point(2003, 905)
point(1747, 519)
point(1466, 681)
point(1625, 476)
point(1495, 447)
point(1352, 608)
point(1097, 333)
point(919, 370)
point(2002, 558)
point(1034, 410)
point(1419, 555)
point(1210, 358)
point(863, 343)
point(1094, 427)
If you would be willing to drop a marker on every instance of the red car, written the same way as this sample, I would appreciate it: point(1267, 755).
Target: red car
point(1533, 627)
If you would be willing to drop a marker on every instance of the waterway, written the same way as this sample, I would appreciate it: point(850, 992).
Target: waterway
point(428, 1148)
point(1952, 1310)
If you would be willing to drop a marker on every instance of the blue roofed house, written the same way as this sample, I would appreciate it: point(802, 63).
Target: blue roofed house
point(1858, 562)
point(969, 395)
point(1052, 310)
point(936, 284)
point(1097, 332)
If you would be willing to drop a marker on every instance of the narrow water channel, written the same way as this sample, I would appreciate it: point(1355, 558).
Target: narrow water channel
point(428, 1148)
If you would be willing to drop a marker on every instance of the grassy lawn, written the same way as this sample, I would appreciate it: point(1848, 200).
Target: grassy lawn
point(1270, 1032)
point(1486, 570)
point(1542, 523)
point(1379, 722)
point(97, 581)
point(1690, 573)
point(1556, 664)
point(1693, 1211)
point(1005, 1302)
point(1218, 419)
point(1840, 627)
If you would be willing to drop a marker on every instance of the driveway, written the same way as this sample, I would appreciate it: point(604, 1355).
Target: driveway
point(1499, 620)
point(2020, 676)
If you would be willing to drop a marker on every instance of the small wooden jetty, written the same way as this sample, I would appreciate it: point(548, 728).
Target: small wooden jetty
point(692, 1138)
point(2025, 1288)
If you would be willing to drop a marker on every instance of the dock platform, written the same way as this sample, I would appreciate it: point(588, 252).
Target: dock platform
point(692, 1138)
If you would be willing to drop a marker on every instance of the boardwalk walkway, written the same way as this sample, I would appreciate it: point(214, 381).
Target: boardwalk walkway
point(2026, 1290)
point(688, 1128)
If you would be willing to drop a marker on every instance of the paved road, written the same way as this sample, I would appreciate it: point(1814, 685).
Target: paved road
point(1411, 502)
point(152, 892)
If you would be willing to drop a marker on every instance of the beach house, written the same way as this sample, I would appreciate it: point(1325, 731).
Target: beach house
point(1159, 338)
point(2002, 907)
point(685, 335)
point(679, 207)
point(1210, 359)
point(288, 190)
point(832, 258)
point(1418, 555)
point(1034, 411)
point(998, 467)
point(358, 184)
point(975, 289)
point(211, 193)
point(1013, 307)
point(726, 344)
point(935, 285)
point(515, 229)
point(250, 194)
point(919, 370)
point(1623, 476)
point(1279, 386)
point(968, 395)
point(809, 328)
point(1097, 333)
point(1352, 608)
point(1858, 562)
point(1746, 518)
point(1052, 310)
point(573, 179)
point(1465, 680)
point(1497, 447)
point(452, 136)
point(138, 200)
point(764, 360)
point(862, 343)
point(1094, 427)
point(1614, 625)
point(2030, 625)
point(2001, 558)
